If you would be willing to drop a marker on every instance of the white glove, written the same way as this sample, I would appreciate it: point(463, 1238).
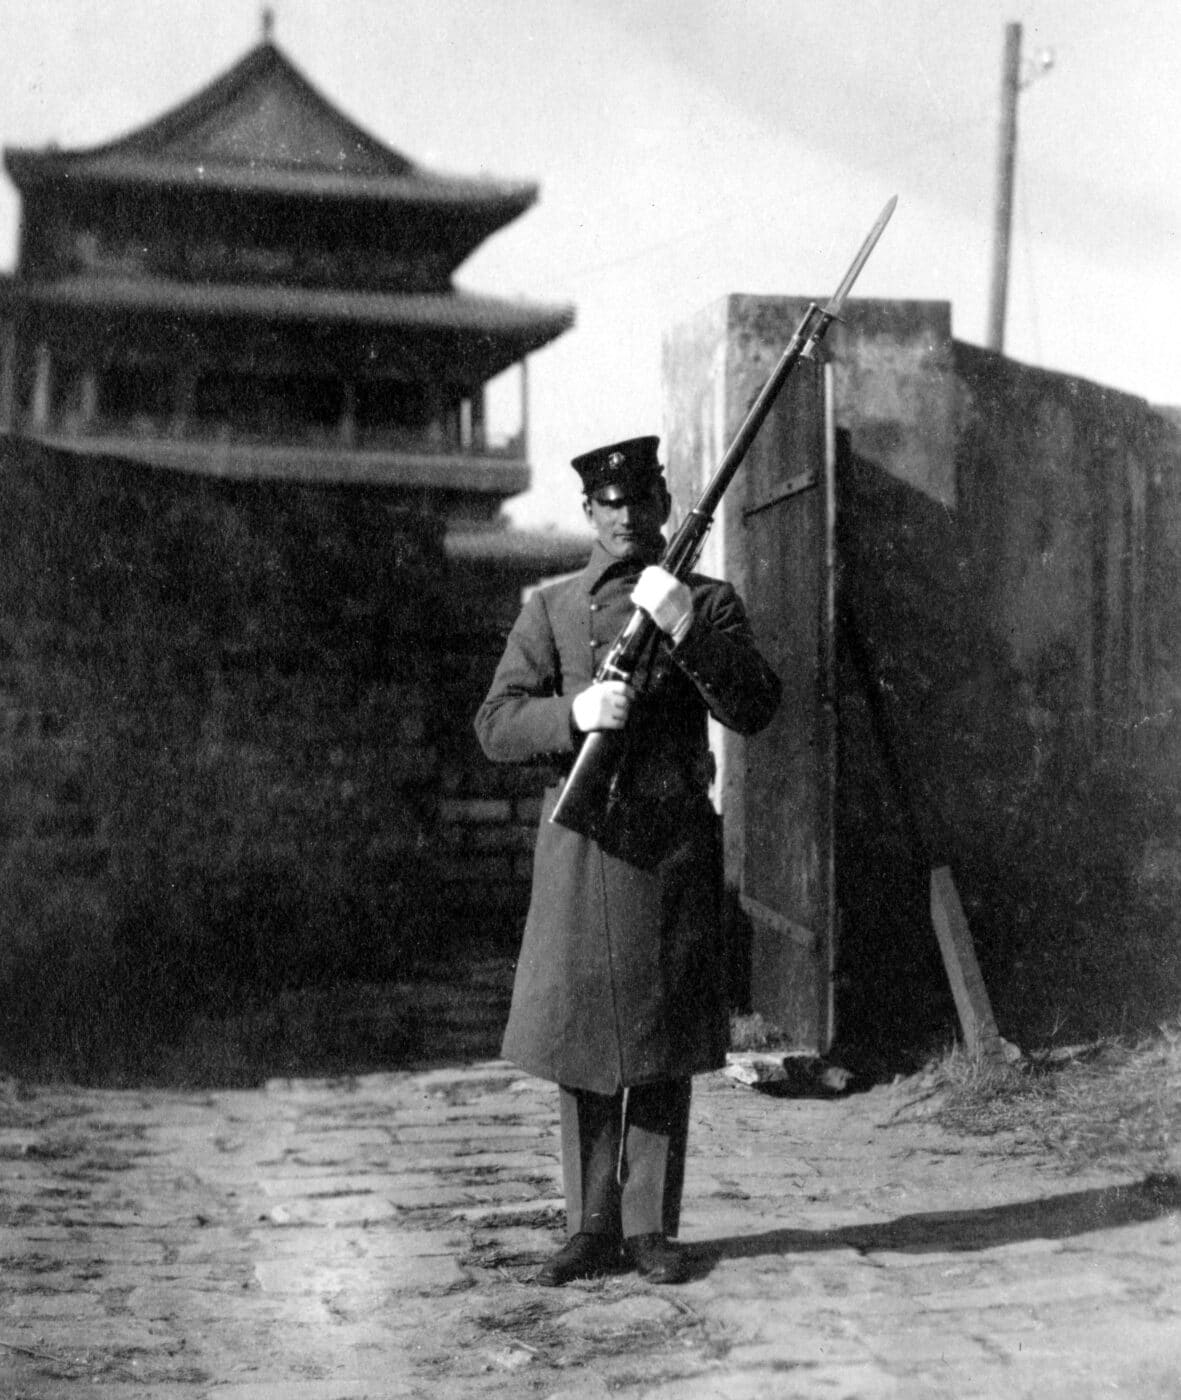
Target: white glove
point(603, 705)
point(666, 600)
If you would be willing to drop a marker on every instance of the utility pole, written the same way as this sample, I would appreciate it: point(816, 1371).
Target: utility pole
point(1011, 83)
point(1006, 160)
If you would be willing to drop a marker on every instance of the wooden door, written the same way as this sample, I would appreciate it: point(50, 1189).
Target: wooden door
point(787, 879)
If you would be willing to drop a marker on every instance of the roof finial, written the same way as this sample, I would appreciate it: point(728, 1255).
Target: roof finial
point(268, 24)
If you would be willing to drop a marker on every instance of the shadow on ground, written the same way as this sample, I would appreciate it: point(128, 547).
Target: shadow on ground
point(1052, 1218)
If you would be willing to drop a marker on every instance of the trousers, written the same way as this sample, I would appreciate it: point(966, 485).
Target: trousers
point(623, 1158)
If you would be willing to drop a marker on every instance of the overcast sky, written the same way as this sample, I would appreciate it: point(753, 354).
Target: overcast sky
point(687, 149)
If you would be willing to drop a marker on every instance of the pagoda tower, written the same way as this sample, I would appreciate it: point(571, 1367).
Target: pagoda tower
point(252, 287)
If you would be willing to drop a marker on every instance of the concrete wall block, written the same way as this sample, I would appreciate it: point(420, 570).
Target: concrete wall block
point(471, 777)
point(412, 728)
point(84, 856)
point(65, 819)
point(465, 772)
point(473, 869)
point(499, 836)
point(389, 847)
point(475, 809)
point(506, 897)
point(20, 726)
point(412, 767)
point(523, 867)
point(528, 809)
point(27, 805)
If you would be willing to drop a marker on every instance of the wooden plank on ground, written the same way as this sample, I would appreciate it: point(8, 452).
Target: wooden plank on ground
point(963, 971)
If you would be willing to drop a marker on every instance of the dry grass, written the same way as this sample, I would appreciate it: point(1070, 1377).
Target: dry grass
point(750, 1031)
point(1110, 1104)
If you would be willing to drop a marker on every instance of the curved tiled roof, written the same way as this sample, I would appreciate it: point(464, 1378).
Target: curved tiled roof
point(463, 311)
point(263, 127)
point(492, 333)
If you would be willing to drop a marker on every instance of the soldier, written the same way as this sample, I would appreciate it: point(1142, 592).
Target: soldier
point(619, 995)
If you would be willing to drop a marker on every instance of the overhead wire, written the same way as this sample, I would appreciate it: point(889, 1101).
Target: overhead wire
point(733, 217)
point(590, 272)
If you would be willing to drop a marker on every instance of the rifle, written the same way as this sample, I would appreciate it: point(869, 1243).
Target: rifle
point(595, 799)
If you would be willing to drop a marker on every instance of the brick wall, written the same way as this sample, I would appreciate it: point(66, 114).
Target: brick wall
point(220, 737)
point(488, 812)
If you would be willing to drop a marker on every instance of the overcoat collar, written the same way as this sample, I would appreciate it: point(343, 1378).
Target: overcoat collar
point(601, 567)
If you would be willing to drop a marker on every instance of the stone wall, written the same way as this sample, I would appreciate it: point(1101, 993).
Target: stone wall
point(235, 731)
point(488, 812)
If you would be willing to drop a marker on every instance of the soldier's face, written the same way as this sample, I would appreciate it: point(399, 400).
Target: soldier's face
point(627, 519)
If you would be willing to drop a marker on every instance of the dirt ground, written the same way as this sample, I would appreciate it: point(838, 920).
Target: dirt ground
point(374, 1237)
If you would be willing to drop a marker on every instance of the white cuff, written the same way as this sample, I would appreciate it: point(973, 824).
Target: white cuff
point(681, 629)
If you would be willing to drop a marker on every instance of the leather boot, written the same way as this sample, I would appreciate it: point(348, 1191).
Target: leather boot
point(657, 1259)
point(582, 1256)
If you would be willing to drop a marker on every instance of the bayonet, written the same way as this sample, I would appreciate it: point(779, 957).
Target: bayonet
point(840, 296)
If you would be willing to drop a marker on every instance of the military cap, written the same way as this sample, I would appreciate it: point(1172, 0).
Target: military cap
point(628, 463)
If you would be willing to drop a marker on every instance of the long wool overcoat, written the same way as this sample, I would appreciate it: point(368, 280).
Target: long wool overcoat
point(620, 979)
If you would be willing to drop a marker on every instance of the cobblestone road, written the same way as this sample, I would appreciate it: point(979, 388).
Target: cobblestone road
point(340, 1239)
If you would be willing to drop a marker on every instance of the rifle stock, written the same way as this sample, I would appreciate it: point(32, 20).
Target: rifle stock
point(586, 800)
point(596, 798)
